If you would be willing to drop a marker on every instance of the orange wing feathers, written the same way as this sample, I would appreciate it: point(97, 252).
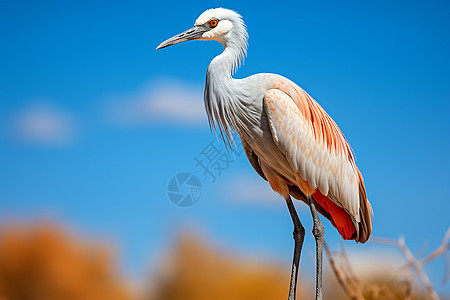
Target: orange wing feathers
point(318, 152)
point(322, 125)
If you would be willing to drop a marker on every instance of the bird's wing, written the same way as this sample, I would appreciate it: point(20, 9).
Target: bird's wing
point(316, 149)
point(326, 170)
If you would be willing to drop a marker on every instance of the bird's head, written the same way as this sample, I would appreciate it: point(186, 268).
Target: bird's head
point(217, 24)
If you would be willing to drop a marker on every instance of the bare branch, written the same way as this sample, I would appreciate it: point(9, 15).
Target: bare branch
point(446, 268)
point(346, 262)
point(415, 264)
point(423, 249)
point(354, 281)
point(445, 245)
point(352, 290)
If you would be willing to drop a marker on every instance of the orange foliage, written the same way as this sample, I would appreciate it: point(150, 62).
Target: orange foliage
point(195, 271)
point(42, 263)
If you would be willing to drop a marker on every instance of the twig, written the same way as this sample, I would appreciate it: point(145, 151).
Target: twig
point(423, 249)
point(346, 261)
point(446, 268)
point(445, 245)
point(354, 281)
point(400, 243)
point(440, 251)
point(351, 289)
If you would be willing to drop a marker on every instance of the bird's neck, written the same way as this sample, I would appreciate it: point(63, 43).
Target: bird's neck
point(235, 49)
point(227, 63)
point(223, 94)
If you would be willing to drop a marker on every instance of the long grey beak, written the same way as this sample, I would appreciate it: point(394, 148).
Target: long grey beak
point(194, 33)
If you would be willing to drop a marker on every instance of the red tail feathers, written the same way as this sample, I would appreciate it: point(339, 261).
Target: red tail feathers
point(338, 217)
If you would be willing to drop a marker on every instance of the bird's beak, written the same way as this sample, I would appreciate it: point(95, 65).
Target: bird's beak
point(194, 33)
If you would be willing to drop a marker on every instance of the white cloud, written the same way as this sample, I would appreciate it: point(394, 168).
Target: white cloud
point(41, 123)
point(163, 101)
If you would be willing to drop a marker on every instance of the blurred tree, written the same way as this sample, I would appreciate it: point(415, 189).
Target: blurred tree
point(43, 263)
point(195, 271)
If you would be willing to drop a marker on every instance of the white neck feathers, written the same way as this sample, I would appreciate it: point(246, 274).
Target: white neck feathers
point(224, 99)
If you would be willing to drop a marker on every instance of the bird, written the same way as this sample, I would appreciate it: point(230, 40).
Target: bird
point(288, 138)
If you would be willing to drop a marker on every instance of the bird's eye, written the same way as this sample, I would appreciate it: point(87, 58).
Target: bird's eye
point(213, 23)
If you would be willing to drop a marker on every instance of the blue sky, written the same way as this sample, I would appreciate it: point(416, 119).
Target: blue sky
point(94, 122)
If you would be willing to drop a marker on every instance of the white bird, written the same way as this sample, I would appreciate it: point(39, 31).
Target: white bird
point(287, 136)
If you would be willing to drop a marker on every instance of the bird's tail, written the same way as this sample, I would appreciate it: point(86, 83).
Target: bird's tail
point(365, 212)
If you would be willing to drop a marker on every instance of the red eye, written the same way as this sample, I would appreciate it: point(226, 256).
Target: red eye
point(213, 23)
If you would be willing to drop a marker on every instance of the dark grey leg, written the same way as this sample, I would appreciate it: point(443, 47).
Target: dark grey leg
point(318, 235)
point(299, 236)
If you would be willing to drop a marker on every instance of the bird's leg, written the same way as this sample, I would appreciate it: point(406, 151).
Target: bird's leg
point(299, 235)
point(318, 235)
